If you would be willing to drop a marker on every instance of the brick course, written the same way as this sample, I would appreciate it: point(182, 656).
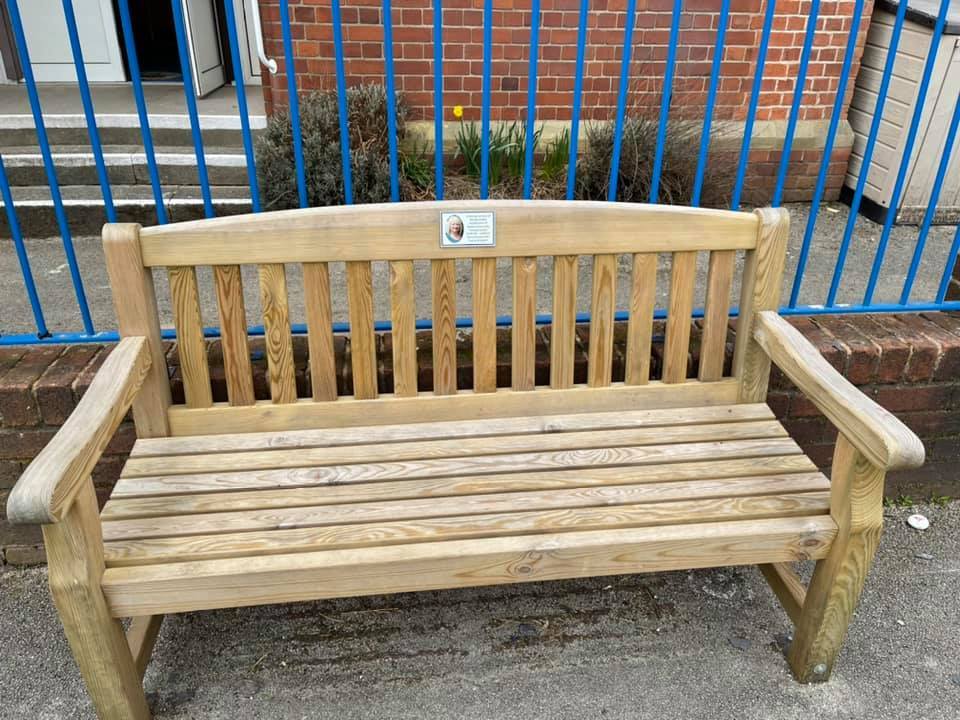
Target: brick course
point(907, 363)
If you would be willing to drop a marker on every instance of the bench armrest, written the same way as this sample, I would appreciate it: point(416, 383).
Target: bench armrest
point(45, 491)
point(885, 441)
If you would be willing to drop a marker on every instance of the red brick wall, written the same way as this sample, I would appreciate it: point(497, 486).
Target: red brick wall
point(463, 56)
point(910, 364)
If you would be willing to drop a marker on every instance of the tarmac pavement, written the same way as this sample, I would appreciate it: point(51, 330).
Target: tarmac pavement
point(682, 645)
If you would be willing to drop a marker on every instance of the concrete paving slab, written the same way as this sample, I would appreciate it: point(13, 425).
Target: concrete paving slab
point(683, 645)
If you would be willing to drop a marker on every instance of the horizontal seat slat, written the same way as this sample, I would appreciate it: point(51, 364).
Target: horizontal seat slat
point(159, 505)
point(460, 447)
point(454, 467)
point(291, 577)
point(373, 434)
point(387, 409)
point(290, 517)
point(244, 544)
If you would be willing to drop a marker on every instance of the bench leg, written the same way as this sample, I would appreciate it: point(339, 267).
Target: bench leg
point(75, 559)
point(856, 503)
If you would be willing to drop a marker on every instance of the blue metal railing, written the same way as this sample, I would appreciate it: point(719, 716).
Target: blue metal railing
point(809, 242)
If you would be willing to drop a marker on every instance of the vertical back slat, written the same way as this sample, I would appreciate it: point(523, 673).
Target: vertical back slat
point(715, 315)
point(563, 328)
point(762, 278)
point(276, 331)
point(444, 289)
point(185, 299)
point(403, 318)
point(643, 295)
point(679, 314)
point(233, 334)
point(323, 367)
point(363, 352)
point(485, 325)
point(602, 308)
point(524, 338)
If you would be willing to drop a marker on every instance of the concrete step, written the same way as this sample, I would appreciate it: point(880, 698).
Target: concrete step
point(134, 203)
point(76, 166)
point(124, 129)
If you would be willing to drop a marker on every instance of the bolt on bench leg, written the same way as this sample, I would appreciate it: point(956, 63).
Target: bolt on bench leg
point(75, 557)
point(856, 503)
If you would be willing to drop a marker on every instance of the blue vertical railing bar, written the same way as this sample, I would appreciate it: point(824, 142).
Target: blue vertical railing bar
point(948, 268)
point(577, 98)
point(754, 101)
point(711, 99)
point(231, 19)
point(391, 100)
point(665, 101)
point(20, 41)
point(438, 98)
point(945, 160)
point(485, 101)
point(189, 94)
point(867, 154)
point(827, 152)
point(293, 102)
point(905, 157)
point(812, 17)
point(88, 112)
point(136, 83)
point(342, 102)
point(14, 224)
point(531, 99)
point(628, 23)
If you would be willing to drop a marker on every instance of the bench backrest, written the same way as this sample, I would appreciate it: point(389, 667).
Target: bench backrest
point(403, 233)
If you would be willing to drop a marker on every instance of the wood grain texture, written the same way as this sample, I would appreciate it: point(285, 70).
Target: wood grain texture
point(363, 341)
point(191, 346)
point(485, 325)
point(643, 295)
point(856, 505)
point(376, 434)
point(350, 533)
point(523, 342)
point(779, 470)
point(583, 461)
point(46, 489)
point(74, 549)
point(403, 315)
point(454, 447)
point(276, 328)
point(871, 428)
point(135, 305)
point(444, 291)
point(602, 308)
point(683, 276)
point(141, 637)
point(222, 418)
point(182, 587)
point(357, 232)
point(716, 314)
point(323, 366)
point(762, 281)
point(563, 326)
point(787, 586)
point(233, 334)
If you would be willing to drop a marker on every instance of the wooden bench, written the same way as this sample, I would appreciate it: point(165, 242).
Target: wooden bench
point(226, 504)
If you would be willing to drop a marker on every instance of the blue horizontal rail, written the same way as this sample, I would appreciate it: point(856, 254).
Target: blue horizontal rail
point(714, 103)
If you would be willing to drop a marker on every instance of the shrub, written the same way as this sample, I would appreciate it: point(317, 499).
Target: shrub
point(320, 125)
point(638, 147)
point(508, 143)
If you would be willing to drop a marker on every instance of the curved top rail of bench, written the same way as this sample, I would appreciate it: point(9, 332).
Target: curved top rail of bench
point(411, 231)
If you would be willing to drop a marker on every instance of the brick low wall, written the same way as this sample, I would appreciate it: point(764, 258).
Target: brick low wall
point(910, 364)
